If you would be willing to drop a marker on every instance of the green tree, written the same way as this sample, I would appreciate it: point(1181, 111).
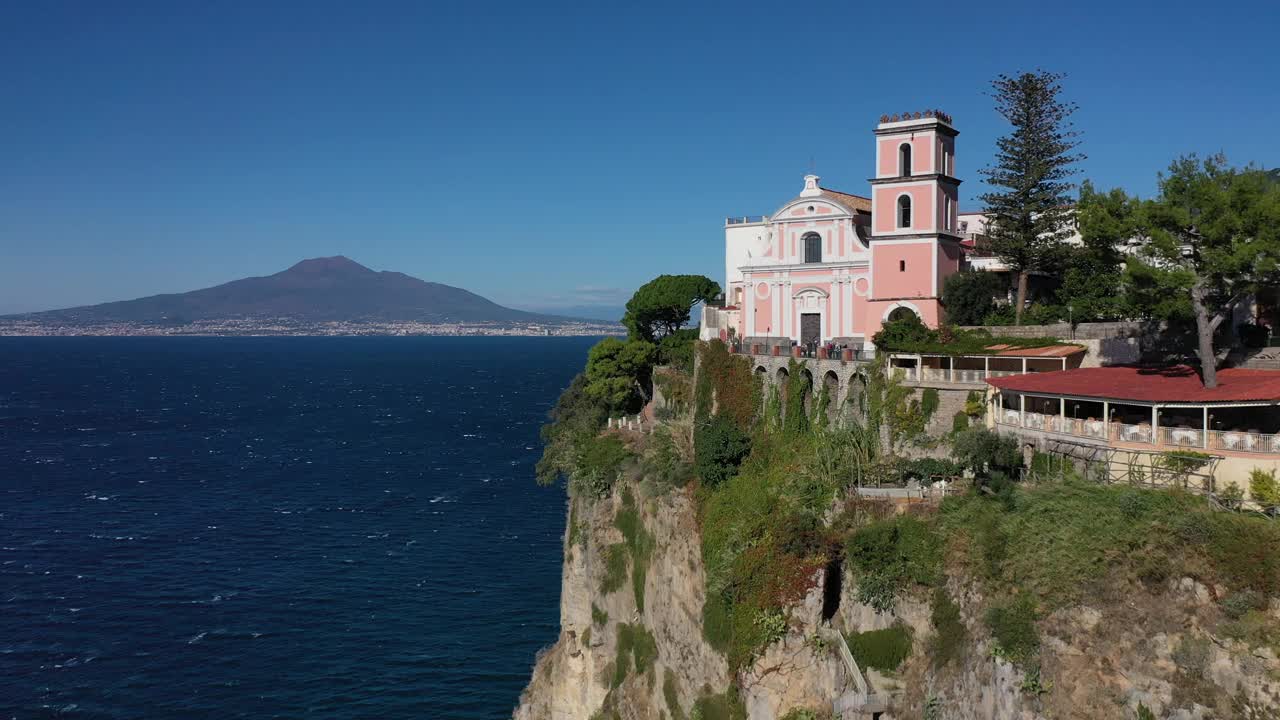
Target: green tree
point(575, 419)
point(901, 332)
point(1093, 285)
point(619, 373)
point(969, 296)
point(1213, 232)
point(983, 451)
point(1029, 209)
point(662, 305)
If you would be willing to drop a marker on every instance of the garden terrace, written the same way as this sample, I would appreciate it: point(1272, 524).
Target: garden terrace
point(972, 369)
point(1141, 407)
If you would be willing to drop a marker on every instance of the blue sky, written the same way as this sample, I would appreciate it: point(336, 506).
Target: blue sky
point(546, 155)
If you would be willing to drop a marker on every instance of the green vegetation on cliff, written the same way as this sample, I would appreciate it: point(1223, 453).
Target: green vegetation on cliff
point(772, 473)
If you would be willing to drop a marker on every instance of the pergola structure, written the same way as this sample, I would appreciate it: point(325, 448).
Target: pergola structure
point(1166, 407)
point(996, 361)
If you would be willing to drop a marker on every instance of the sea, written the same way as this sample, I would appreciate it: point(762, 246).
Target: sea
point(276, 527)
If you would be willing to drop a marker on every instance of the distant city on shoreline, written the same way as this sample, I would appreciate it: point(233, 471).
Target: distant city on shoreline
point(285, 327)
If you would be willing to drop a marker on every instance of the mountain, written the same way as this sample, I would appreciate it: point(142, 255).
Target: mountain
point(331, 289)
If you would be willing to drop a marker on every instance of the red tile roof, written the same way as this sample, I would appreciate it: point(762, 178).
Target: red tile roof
point(1178, 384)
point(857, 203)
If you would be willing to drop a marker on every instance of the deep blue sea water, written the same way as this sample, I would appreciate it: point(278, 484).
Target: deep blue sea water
point(275, 527)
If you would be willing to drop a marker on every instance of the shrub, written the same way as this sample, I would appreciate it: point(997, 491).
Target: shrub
point(901, 331)
point(664, 461)
point(1192, 655)
point(772, 626)
point(1263, 487)
point(638, 541)
point(950, 636)
point(725, 706)
point(615, 568)
point(803, 714)
point(598, 616)
point(974, 404)
point(1231, 497)
point(983, 451)
point(719, 447)
point(890, 555)
point(929, 403)
point(636, 647)
point(992, 543)
point(959, 422)
point(926, 467)
point(671, 693)
point(1237, 604)
point(598, 464)
point(883, 650)
point(1013, 627)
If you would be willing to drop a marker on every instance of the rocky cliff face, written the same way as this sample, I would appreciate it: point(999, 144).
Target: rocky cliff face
point(574, 677)
point(1163, 650)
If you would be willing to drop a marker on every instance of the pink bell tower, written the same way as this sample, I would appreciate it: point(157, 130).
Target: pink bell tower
point(914, 241)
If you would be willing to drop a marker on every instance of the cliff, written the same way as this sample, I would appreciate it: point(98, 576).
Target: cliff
point(752, 579)
point(1164, 650)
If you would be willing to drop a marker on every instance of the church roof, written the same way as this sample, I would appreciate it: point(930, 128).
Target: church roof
point(855, 203)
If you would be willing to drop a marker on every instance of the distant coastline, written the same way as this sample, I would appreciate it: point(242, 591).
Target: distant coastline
point(285, 327)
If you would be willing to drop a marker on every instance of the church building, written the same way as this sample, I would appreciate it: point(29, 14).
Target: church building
point(832, 266)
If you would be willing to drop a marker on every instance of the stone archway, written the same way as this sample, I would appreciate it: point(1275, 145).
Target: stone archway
point(806, 400)
point(831, 386)
point(781, 379)
point(855, 400)
point(762, 381)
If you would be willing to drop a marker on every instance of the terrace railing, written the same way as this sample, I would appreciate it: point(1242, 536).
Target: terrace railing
point(970, 376)
point(801, 351)
point(1244, 441)
point(1172, 438)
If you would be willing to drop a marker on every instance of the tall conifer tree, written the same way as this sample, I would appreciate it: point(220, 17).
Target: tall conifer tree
point(1029, 206)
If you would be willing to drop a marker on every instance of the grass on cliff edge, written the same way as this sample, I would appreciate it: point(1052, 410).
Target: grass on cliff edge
point(1062, 541)
point(762, 543)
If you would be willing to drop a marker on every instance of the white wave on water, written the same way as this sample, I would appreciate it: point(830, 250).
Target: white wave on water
point(446, 498)
point(197, 638)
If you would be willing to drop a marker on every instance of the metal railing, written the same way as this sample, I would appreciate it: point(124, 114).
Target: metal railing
point(799, 351)
point(744, 220)
point(1244, 441)
point(1249, 441)
point(970, 376)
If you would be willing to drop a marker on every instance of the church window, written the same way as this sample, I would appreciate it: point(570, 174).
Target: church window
point(812, 248)
point(904, 211)
point(904, 159)
point(902, 266)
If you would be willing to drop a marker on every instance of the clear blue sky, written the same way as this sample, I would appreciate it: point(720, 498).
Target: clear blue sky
point(544, 155)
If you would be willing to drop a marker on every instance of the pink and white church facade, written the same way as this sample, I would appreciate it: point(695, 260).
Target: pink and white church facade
point(830, 266)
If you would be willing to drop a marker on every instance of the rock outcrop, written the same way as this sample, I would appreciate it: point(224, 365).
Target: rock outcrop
point(1161, 650)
